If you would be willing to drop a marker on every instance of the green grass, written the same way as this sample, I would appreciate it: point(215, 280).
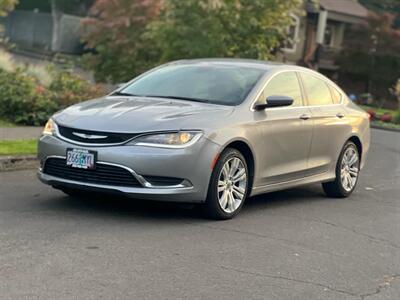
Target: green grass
point(18, 147)
point(4, 123)
point(387, 125)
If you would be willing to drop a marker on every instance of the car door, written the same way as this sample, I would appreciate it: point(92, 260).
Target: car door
point(328, 116)
point(283, 133)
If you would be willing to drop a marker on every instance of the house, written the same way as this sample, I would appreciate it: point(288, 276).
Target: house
point(316, 38)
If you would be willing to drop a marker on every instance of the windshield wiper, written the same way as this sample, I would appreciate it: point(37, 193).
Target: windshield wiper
point(179, 98)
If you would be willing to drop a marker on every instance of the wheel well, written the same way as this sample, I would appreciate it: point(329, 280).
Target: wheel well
point(243, 148)
point(357, 142)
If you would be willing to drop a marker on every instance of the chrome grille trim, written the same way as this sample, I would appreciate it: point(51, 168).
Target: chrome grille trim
point(144, 183)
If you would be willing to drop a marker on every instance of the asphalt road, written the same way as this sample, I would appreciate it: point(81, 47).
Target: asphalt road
point(295, 244)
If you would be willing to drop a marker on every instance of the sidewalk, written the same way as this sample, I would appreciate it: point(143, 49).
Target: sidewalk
point(20, 133)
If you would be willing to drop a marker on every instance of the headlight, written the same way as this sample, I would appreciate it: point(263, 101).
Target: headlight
point(49, 128)
point(179, 139)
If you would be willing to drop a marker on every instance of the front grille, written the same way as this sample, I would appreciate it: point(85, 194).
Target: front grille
point(110, 137)
point(103, 174)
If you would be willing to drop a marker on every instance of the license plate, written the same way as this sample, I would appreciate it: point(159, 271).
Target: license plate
point(81, 158)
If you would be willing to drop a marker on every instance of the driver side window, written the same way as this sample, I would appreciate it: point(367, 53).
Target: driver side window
point(284, 84)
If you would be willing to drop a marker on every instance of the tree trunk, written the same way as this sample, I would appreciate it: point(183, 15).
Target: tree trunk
point(56, 14)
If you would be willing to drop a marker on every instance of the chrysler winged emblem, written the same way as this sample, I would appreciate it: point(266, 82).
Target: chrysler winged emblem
point(89, 136)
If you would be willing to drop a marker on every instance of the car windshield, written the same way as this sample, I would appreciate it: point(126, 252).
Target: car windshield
point(211, 83)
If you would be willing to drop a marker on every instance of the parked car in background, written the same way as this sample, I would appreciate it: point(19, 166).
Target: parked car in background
point(209, 131)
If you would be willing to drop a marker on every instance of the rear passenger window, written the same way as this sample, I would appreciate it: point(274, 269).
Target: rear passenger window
point(284, 84)
point(317, 90)
point(336, 95)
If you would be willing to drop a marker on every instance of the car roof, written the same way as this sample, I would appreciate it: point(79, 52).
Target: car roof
point(267, 66)
point(252, 63)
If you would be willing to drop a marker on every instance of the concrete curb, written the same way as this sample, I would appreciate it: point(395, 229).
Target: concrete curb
point(11, 163)
point(384, 128)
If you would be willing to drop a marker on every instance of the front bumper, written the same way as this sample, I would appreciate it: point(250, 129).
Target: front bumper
point(193, 164)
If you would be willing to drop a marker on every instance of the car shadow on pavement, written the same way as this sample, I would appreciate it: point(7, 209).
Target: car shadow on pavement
point(285, 198)
point(110, 206)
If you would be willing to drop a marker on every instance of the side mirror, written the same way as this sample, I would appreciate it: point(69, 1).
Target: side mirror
point(275, 101)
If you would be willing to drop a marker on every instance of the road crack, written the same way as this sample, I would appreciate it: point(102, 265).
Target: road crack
point(384, 285)
point(371, 237)
point(280, 277)
point(259, 235)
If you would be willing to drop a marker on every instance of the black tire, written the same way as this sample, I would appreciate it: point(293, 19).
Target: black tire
point(335, 188)
point(212, 207)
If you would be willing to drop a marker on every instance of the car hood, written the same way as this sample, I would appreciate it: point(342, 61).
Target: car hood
point(134, 114)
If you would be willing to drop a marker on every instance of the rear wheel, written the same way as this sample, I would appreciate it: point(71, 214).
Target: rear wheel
point(228, 187)
point(347, 171)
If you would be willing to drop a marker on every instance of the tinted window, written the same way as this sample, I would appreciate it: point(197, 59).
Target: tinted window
point(215, 83)
point(284, 84)
point(317, 90)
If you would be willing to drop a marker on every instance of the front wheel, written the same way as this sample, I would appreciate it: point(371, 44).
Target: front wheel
point(228, 187)
point(347, 171)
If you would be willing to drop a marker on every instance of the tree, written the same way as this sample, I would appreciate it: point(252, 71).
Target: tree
point(222, 28)
point(129, 36)
point(372, 52)
point(115, 32)
point(6, 6)
point(384, 6)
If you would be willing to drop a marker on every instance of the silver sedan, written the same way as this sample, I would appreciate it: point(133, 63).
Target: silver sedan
point(209, 131)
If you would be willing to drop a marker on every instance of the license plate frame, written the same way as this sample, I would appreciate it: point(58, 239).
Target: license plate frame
point(81, 158)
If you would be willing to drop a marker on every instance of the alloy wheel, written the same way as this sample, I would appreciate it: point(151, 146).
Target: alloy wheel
point(232, 183)
point(349, 169)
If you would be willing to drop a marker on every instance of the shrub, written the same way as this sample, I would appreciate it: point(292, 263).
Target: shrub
point(69, 88)
point(387, 118)
point(396, 117)
point(25, 100)
point(372, 114)
point(19, 100)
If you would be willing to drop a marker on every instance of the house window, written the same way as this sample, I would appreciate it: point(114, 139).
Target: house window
point(290, 44)
point(329, 36)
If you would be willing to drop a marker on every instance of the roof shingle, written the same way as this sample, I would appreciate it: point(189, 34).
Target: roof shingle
point(347, 7)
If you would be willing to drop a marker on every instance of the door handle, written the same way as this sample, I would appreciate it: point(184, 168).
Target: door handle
point(305, 117)
point(340, 115)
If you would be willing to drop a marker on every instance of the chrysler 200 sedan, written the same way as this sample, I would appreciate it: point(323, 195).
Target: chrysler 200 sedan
point(209, 131)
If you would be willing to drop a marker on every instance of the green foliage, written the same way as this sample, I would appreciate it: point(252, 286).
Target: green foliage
point(19, 101)
point(23, 100)
point(384, 6)
point(69, 88)
point(6, 6)
point(116, 33)
point(4, 123)
point(241, 28)
point(131, 36)
point(396, 117)
point(372, 52)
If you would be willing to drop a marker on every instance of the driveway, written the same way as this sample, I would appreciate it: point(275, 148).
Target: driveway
point(295, 244)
